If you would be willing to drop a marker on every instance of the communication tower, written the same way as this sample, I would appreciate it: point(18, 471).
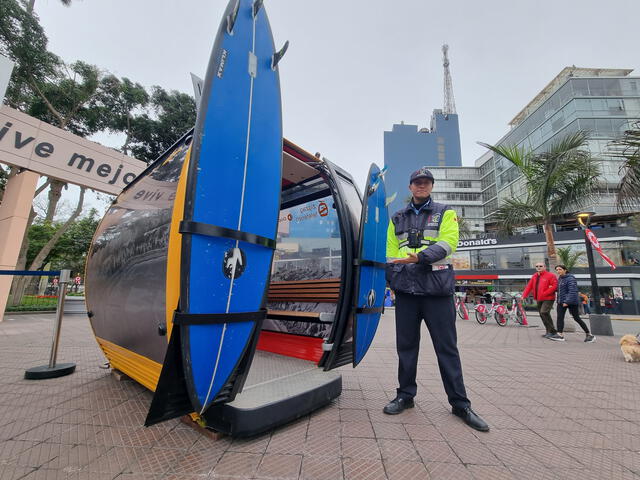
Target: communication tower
point(449, 101)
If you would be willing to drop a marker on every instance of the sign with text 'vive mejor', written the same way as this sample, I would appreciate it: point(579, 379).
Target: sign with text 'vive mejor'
point(42, 148)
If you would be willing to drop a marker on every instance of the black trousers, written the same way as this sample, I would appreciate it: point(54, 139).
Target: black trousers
point(440, 317)
point(544, 308)
point(575, 313)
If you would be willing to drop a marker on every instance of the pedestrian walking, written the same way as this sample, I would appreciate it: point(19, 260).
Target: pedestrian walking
point(543, 285)
point(568, 299)
point(420, 241)
point(585, 303)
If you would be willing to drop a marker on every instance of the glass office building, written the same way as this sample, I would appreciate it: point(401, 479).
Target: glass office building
point(459, 188)
point(604, 102)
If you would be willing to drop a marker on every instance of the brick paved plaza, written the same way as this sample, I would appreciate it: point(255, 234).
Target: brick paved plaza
point(557, 410)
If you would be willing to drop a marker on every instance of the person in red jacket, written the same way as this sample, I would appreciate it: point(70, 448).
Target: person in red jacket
point(543, 285)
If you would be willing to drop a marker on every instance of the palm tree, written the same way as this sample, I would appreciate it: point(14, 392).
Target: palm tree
point(627, 148)
point(464, 228)
point(557, 181)
point(569, 258)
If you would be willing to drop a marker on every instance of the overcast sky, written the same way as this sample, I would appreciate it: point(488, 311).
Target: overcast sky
point(354, 68)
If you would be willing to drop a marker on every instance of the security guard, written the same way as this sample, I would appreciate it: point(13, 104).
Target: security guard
point(420, 241)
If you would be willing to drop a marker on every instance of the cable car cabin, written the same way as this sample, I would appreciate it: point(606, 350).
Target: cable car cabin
point(323, 304)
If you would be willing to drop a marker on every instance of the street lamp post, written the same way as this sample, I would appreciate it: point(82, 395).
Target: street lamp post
point(600, 323)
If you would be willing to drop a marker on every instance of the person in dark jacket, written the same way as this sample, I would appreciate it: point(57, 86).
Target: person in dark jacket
point(568, 298)
point(421, 240)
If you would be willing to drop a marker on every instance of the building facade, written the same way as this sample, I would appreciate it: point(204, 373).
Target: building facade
point(505, 264)
point(604, 102)
point(460, 188)
point(407, 148)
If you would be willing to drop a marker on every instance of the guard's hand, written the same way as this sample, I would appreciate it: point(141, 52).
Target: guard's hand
point(565, 305)
point(412, 258)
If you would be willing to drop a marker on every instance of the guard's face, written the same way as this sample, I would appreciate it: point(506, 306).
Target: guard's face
point(421, 189)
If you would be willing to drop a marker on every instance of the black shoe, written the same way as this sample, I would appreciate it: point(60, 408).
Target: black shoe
point(397, 405)
point(556, 337)
point(590, 338)
point(546, 335)
point(471, 418)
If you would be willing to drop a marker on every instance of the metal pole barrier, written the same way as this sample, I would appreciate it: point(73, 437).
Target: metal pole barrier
point(62, 291)
point(595, 291)
point(52, 370)
point(599, 322)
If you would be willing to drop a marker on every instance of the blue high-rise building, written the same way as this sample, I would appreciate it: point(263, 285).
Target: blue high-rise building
point(406, 149)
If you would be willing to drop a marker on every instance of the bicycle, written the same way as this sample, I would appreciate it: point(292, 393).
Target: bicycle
point(461, 308)
point(482, 311)
point(515, 313)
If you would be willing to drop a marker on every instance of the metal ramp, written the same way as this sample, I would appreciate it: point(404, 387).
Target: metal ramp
point(278, 389)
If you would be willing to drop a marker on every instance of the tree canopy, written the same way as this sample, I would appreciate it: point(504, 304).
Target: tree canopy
point(84, 99)
point(70, 251)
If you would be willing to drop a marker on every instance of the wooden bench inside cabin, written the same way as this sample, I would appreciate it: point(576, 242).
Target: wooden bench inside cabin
point(325, 290)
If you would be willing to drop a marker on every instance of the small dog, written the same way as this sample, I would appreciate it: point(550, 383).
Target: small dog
point(630, 347)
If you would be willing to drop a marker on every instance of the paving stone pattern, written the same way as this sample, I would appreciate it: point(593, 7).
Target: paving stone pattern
point(557, 411)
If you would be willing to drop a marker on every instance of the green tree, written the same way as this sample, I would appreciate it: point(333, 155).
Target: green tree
point(172, 114)
point(568, 257)
point(557, 181)
point(22, 39)
point(121, 103)
point(71, 250)
point(627, 148)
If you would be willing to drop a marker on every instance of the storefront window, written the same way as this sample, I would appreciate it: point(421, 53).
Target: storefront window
point(630, 253)
point(611, 250)
point(484, 259)
point(511, 258)
point(461, 260)
point(533, 255)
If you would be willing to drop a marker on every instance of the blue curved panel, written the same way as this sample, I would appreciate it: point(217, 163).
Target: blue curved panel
point(371, 279)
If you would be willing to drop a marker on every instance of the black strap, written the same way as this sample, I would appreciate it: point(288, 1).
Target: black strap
point(370, 310)
point(198, 228)
point(180, 318)
point(294, 318)
point(369, 263)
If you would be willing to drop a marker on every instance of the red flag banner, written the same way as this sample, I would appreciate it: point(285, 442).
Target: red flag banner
point(596, 244)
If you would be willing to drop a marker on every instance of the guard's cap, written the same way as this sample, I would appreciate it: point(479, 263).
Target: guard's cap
point(422, 173)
